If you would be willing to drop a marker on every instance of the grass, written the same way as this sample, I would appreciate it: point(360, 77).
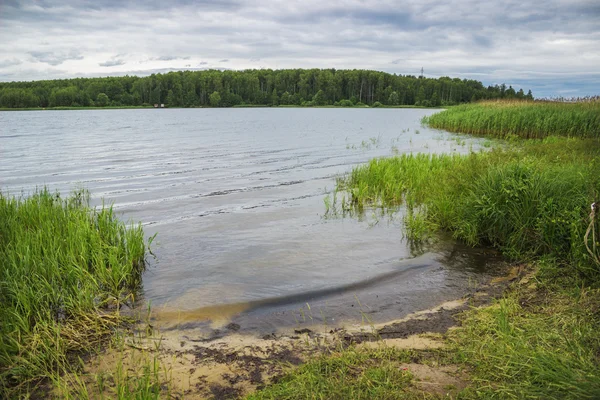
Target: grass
point(65, 272)
point(347, 374)
point(528, 200)
point(531, 120)
point(539, 341)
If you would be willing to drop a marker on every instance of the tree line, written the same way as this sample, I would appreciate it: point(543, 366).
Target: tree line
point(216, 88)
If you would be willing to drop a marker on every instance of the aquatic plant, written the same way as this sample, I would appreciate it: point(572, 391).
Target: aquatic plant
point(526, 119)
point(528, 199)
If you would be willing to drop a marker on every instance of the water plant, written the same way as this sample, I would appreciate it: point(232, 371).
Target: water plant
point(525, 119)
point(527, 200)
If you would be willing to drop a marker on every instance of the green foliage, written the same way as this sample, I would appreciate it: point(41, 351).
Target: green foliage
point(62, 265)
point(524, 119)
point(254, 87)
point(215, 99)
point(377, 104)
point(530, 199)
point(319, 99)
point(102, 100)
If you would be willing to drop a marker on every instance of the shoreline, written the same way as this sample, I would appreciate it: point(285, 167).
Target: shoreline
point(209, 107)
point(238, 364)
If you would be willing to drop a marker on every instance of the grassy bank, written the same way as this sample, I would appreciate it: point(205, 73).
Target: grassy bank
point(530, 199)
point(65, 272)
point(524, 119)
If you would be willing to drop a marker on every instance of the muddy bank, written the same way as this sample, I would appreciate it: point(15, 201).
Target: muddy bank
point(233, 365)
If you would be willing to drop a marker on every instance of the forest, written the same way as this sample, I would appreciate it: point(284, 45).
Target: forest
point(287, 87)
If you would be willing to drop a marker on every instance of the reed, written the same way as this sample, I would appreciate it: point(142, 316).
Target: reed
point(65, 272)
point(530, 120)
point(529, 199)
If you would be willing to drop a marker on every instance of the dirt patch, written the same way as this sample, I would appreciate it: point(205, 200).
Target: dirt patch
point(438, 319)
point(444, 381)
point(415, 342)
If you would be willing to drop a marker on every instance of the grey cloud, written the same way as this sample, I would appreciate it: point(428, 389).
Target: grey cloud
point(224, 60)
point(112, 63)
point(169, 58)
point(55, 59)
point(10, 63)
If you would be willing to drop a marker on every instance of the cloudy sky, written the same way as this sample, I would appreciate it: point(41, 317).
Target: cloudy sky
point(550, 46)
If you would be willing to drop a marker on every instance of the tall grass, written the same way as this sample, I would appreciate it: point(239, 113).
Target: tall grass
point(529, 199)
point(65, 271)
point(524, 119)
point(540, 345)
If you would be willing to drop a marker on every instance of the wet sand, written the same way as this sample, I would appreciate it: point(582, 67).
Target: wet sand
point(236, 364)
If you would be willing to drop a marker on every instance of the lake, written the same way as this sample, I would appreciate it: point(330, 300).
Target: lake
point(236, 197)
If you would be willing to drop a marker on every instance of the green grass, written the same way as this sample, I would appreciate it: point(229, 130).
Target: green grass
point(349, 374)
point(524, 119)
point(530, 199)
point(65, 270)
point(539, 341)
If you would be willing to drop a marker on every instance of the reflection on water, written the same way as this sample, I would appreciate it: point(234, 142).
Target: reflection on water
point(237, 199)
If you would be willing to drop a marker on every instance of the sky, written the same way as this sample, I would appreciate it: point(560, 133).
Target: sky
point(549, 46)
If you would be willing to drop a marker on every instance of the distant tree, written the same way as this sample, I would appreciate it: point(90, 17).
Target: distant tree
point(101, 100)
point(510, 93)
point(274, 98)
point(215, 99)
point(297, 86)
point(346, 103)
point(285, 98)
point(420, 96)
point(190, 99)
point(377, 104)
point(435, 100)
point(529, 95)
point(319, 98)
point(394, 99)
point(171, 98)
point(520, 94)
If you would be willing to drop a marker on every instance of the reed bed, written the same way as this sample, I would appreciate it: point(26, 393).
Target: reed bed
point(530, 120)
point(528, 200)
point(65, 272)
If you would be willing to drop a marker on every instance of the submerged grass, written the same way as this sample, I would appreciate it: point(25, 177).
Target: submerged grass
point(526, 119)
point(65, 271)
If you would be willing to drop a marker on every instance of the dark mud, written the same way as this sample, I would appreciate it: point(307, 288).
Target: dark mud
point(443, 319)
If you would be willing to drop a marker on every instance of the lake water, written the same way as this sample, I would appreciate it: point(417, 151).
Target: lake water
point(237, 199)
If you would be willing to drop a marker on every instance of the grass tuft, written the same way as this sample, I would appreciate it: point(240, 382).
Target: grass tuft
point(65, 271)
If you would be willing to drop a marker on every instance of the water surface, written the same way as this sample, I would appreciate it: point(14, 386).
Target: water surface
point(237, 199)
